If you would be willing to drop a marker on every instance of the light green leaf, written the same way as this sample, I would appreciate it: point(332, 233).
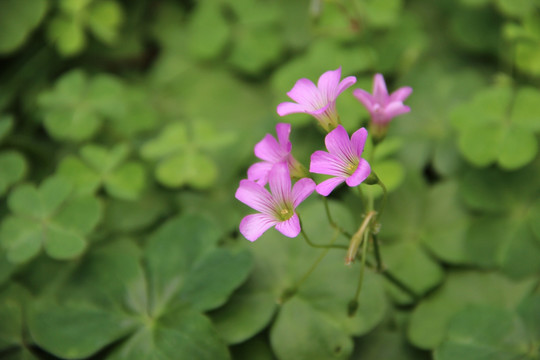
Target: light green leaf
point(67, 35)
point(481, 332)
point(194, 169)
point(13, 166)
point(208, 31)
point(18, 18)
point(6, 124)
point(13, 302)
point(104, 20)
point(172, 139)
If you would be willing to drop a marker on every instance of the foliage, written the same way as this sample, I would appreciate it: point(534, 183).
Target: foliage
point(126, 126)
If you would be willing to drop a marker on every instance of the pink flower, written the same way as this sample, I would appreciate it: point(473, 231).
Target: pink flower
point(276, 208)
point(274, 151)
point(318, 101)
point(343, 160)
point(381, 106)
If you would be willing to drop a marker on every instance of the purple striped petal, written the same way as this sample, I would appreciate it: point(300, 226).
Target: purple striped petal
point(301, 190)
point(345, 84)
point(360, 174)
point(259, 171)
point(254, 196)
point(394, 109)
point(401, 94)
point(380, 93)
point(290, 228)
point(325, 163)
point(328, 84)
point(254, 225)
point(286, 108)
point(280, 183)
point(365, 98)
point(327, 186)
point(338, 143)
point(268, 149)
point(358, 141)
point(283, 130)
point(305, 93)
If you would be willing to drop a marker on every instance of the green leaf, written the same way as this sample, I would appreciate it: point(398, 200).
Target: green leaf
point(67, 35)
point(13, 301)
point(516, 8)
point(104, 20)
point(47, 217)
point(429, 321)
point(381, 14)
point(480, 332)
point(208, 31)
point(6, 125)
point(18, 18)
point(13, 166)
point(172, 139)
point(194, 169)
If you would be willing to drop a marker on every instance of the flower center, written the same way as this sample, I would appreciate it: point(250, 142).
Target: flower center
point(285, 213)
point(351, 167)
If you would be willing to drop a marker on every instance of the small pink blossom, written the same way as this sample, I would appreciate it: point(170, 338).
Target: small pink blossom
point(273, 151)
point(343, 160)
point(381, 106)
point(318, 101)
point(276, 208)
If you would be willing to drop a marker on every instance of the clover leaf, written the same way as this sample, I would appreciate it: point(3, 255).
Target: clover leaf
point(181, 155)
point(67, 29)
point(18, 19)
point(47, 217)
point(526, 36)
point(153, 301)
point(206, 42)
point(496, 120)
point(107, 168)
point(75, 108)
point(317, 309)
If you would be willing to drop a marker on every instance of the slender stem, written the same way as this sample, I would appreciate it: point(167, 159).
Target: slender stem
point(287, 294)
point(353, 304)
point(357, 238)
point(377, 251)
point(385, 195)
point(331, 220)
point(394, 280)
point(320, 246)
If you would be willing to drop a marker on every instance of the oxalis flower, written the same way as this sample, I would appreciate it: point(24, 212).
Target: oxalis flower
point(381, 106)
point(276, 208)
point(343, 160)
point(318, 101)
point(273, 151)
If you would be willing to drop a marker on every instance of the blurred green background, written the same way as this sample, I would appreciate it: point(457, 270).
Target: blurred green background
point(125, 127)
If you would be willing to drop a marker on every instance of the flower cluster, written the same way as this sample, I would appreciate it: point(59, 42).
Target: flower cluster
point(343, 161)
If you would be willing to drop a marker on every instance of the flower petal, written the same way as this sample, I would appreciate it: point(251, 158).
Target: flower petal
point(401, 94)
point(394, 109)
point(290, 228)
point(254, 225)
point(283, 130)
point(361, 173)
point(325, 163)
point(328, 84)
point(338, 143)
point(280, 183)
point(345, 84)
point(380, 93)
point(259, 171)
point(306, 93)
point(286, 108)
point(358, 141)
point(268, 149)
point(301, 190)
point(255, 196)
point(365, 98)
point(327, 186)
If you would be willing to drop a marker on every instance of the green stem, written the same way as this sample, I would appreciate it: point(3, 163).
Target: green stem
point(377, 252)
point(353, 304)
point(394, 280)
point(331, 220)
point(290, 292)
point(357, 238)
point(385, 195)
point(320, 246)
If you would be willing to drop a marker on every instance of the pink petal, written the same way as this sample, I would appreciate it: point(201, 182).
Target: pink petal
point(259, 171)
point(345, 84)
point(338, 143)
point(401, 94)
point(361, 173)
point(280, 183)
point(301, 190)
point(328, 84)
point(268, 149)
point(283, 130)
point(290, 228)
point(254, 225)
point(325, 163)
point(327, 186)
point(394, 109)
point(306, 93)
point(365, 98)
point(286, 108)
point(255, 196)
point(358, 140)
point(379, 89)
